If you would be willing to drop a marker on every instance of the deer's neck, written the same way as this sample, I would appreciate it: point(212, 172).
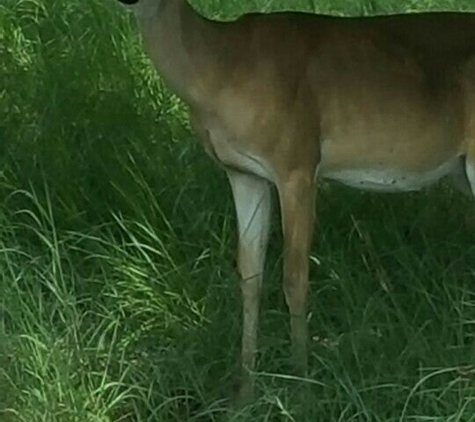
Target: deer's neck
point(180, 43)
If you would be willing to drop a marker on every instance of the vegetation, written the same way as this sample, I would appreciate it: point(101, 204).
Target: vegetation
point(118, 296)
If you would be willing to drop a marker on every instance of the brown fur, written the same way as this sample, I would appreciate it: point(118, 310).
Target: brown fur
point(277, 97)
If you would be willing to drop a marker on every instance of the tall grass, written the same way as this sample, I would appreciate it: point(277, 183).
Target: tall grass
point(118, 296)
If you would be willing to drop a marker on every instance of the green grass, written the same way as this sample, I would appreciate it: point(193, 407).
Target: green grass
point(118, 296)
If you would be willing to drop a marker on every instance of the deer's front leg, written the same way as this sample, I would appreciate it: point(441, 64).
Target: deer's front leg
point(253, 203)
point(297, 197)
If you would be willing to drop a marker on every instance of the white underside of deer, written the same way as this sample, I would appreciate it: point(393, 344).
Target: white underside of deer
point(385, 104)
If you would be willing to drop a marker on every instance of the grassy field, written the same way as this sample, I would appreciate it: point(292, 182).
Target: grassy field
point(118, 296)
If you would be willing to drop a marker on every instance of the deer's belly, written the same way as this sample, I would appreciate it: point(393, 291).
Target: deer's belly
point(389, 179)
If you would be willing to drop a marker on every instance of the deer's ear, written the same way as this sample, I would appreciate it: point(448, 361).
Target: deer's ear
point(129, 2)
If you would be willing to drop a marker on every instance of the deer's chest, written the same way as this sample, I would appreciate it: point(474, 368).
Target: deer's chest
point(230, 149)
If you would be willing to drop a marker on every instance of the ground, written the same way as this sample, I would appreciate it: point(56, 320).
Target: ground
point(118, 295)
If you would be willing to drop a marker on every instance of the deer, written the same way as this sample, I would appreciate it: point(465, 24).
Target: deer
point(285, 99)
